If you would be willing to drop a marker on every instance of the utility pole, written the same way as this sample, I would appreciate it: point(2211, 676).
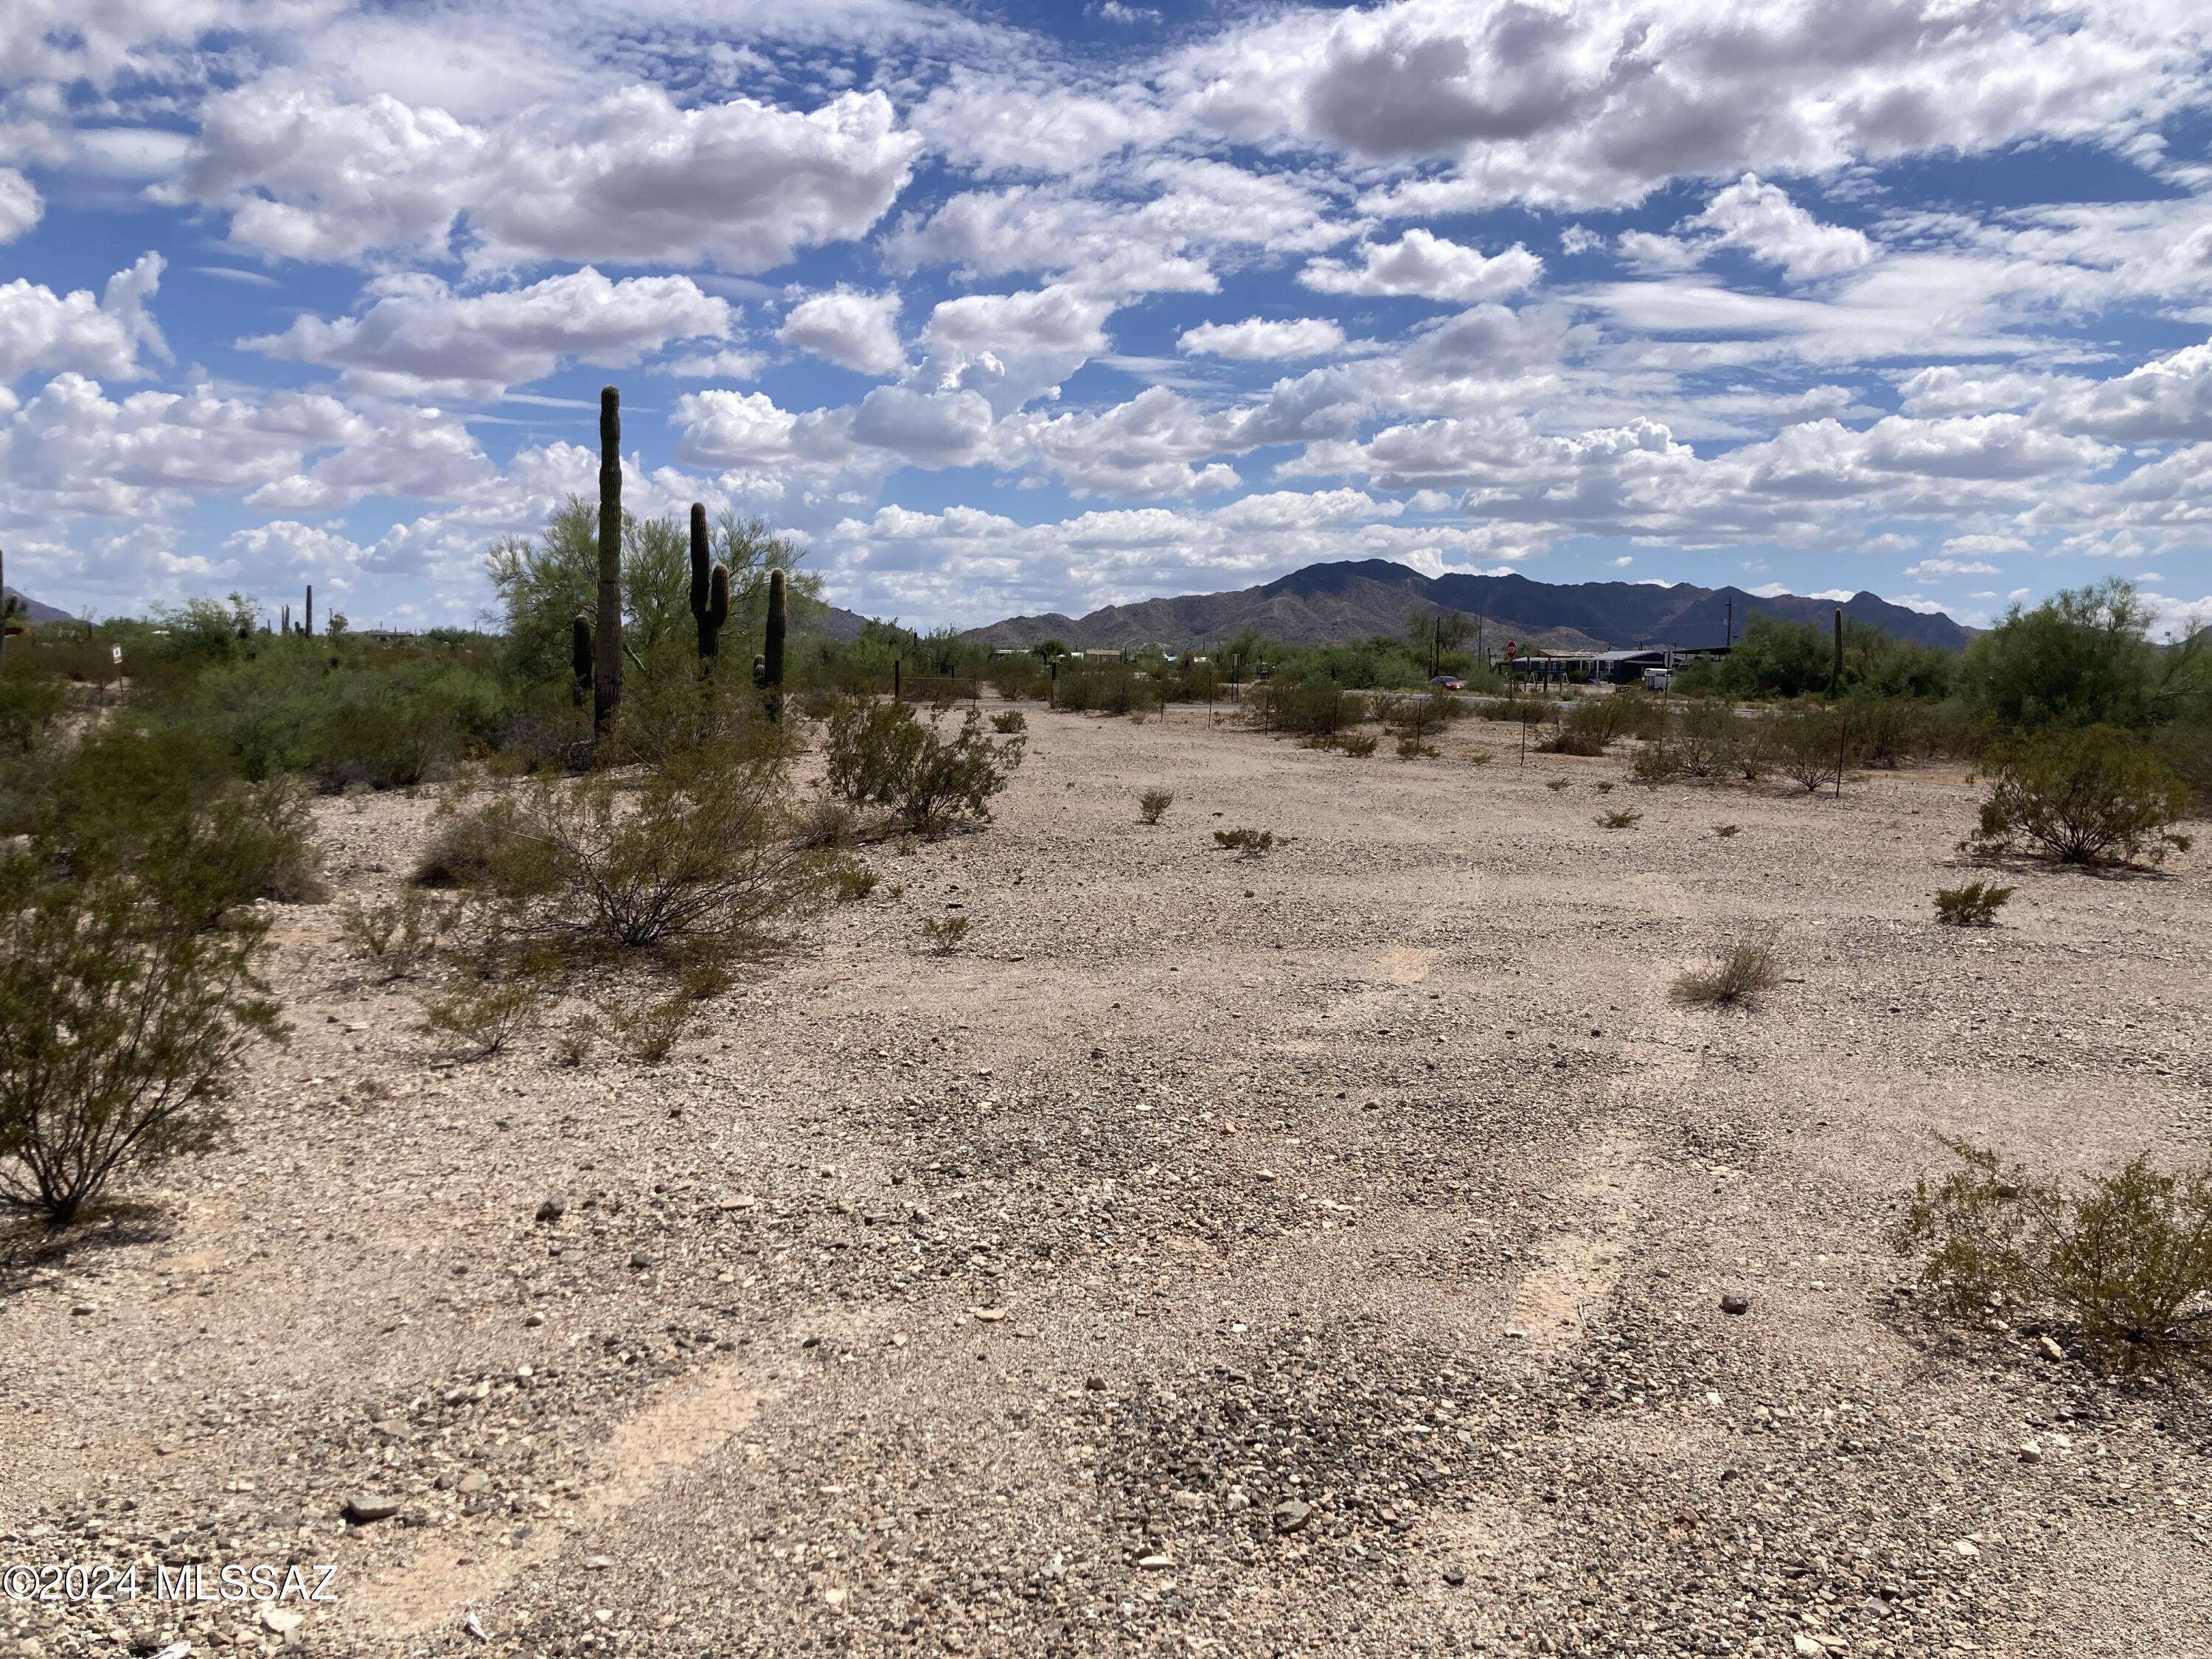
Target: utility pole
point(1836, 679)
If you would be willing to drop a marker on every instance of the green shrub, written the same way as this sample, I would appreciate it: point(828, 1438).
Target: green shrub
point(646, 1028)
point(1358, 745)
point(120, 1033)
point(1806, 745)
point(701, 852)
point(1009, 721)
point(1745, 973)
point(161, 802)
point(1705, 739)
point(884, 753)
point(1152, 805)
point(30, 704)
point(945, 933)
point(399, 935)
point(2124, 1258)
point(1245, 843)
point(1974, 905)
point(2091, 796)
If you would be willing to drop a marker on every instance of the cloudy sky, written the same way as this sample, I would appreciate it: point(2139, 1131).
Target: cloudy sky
point(1003, 308)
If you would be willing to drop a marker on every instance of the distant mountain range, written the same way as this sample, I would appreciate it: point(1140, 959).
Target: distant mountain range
point(35, 611)
point(1332, 603)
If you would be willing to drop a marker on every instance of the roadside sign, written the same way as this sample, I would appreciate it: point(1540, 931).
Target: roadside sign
point(1511, 650)
point(116, 651)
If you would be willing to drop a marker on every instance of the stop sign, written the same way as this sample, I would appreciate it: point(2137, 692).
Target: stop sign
point(1511, 651)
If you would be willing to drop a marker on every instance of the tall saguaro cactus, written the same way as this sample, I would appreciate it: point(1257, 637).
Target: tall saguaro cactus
point(772, 663)
point(7, 602)
point(308, 624)
point(710, 590)
point(606, 642)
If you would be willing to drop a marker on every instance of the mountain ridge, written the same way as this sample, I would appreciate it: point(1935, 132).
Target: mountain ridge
point(1333, 602)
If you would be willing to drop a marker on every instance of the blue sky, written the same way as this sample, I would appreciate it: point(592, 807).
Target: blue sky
point(1000, 309)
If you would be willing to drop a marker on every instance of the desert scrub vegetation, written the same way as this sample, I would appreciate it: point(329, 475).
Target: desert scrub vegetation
point(1740, 978)
point(2092, 796)
point(701, 850)
point(163, 804)
point(1152, 805)
point(121, 1028)
point(2122, 1260)
point(1318, 714)
point(943, 934)
point(1975, 904)
point(1807, 746)
point(1245, 843)
point(1009, 721)
point(400, 934)
point(1358, 745)
point(1624, 818)
point(885, 754)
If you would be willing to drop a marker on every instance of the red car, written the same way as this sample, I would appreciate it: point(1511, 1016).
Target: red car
point(1449, 683)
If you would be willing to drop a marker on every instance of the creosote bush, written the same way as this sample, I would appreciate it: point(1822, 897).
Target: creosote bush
point(702, 850)
point(399, 935)
point(1358, 745)
point(1621, 818)
point(1152, 805)
point(2123, 1258)
point(885, 754)
point(164, 805)
point(1745, 973)
point(1806, 746)
point(495, 984)
point(945, 933)
point(1245, 843)
point(645, 1027)
point(1009, 721)
point(121, 1028)
point(2094, 796)
point(1974, 905)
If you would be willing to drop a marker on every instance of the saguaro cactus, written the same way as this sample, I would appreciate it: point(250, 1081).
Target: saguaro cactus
point(580, 656)
point(606, 641)
point(9, 603)
point(710, 590)
point(307, 624)
point(288, 622)
point(772, 665)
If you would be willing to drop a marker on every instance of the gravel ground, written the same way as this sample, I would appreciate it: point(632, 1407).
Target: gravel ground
point(1319, 1252)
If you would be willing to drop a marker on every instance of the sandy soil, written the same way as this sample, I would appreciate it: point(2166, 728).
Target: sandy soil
point(1320, 1252)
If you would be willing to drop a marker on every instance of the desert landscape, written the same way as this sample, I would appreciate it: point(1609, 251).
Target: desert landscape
point(1348, 1248)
